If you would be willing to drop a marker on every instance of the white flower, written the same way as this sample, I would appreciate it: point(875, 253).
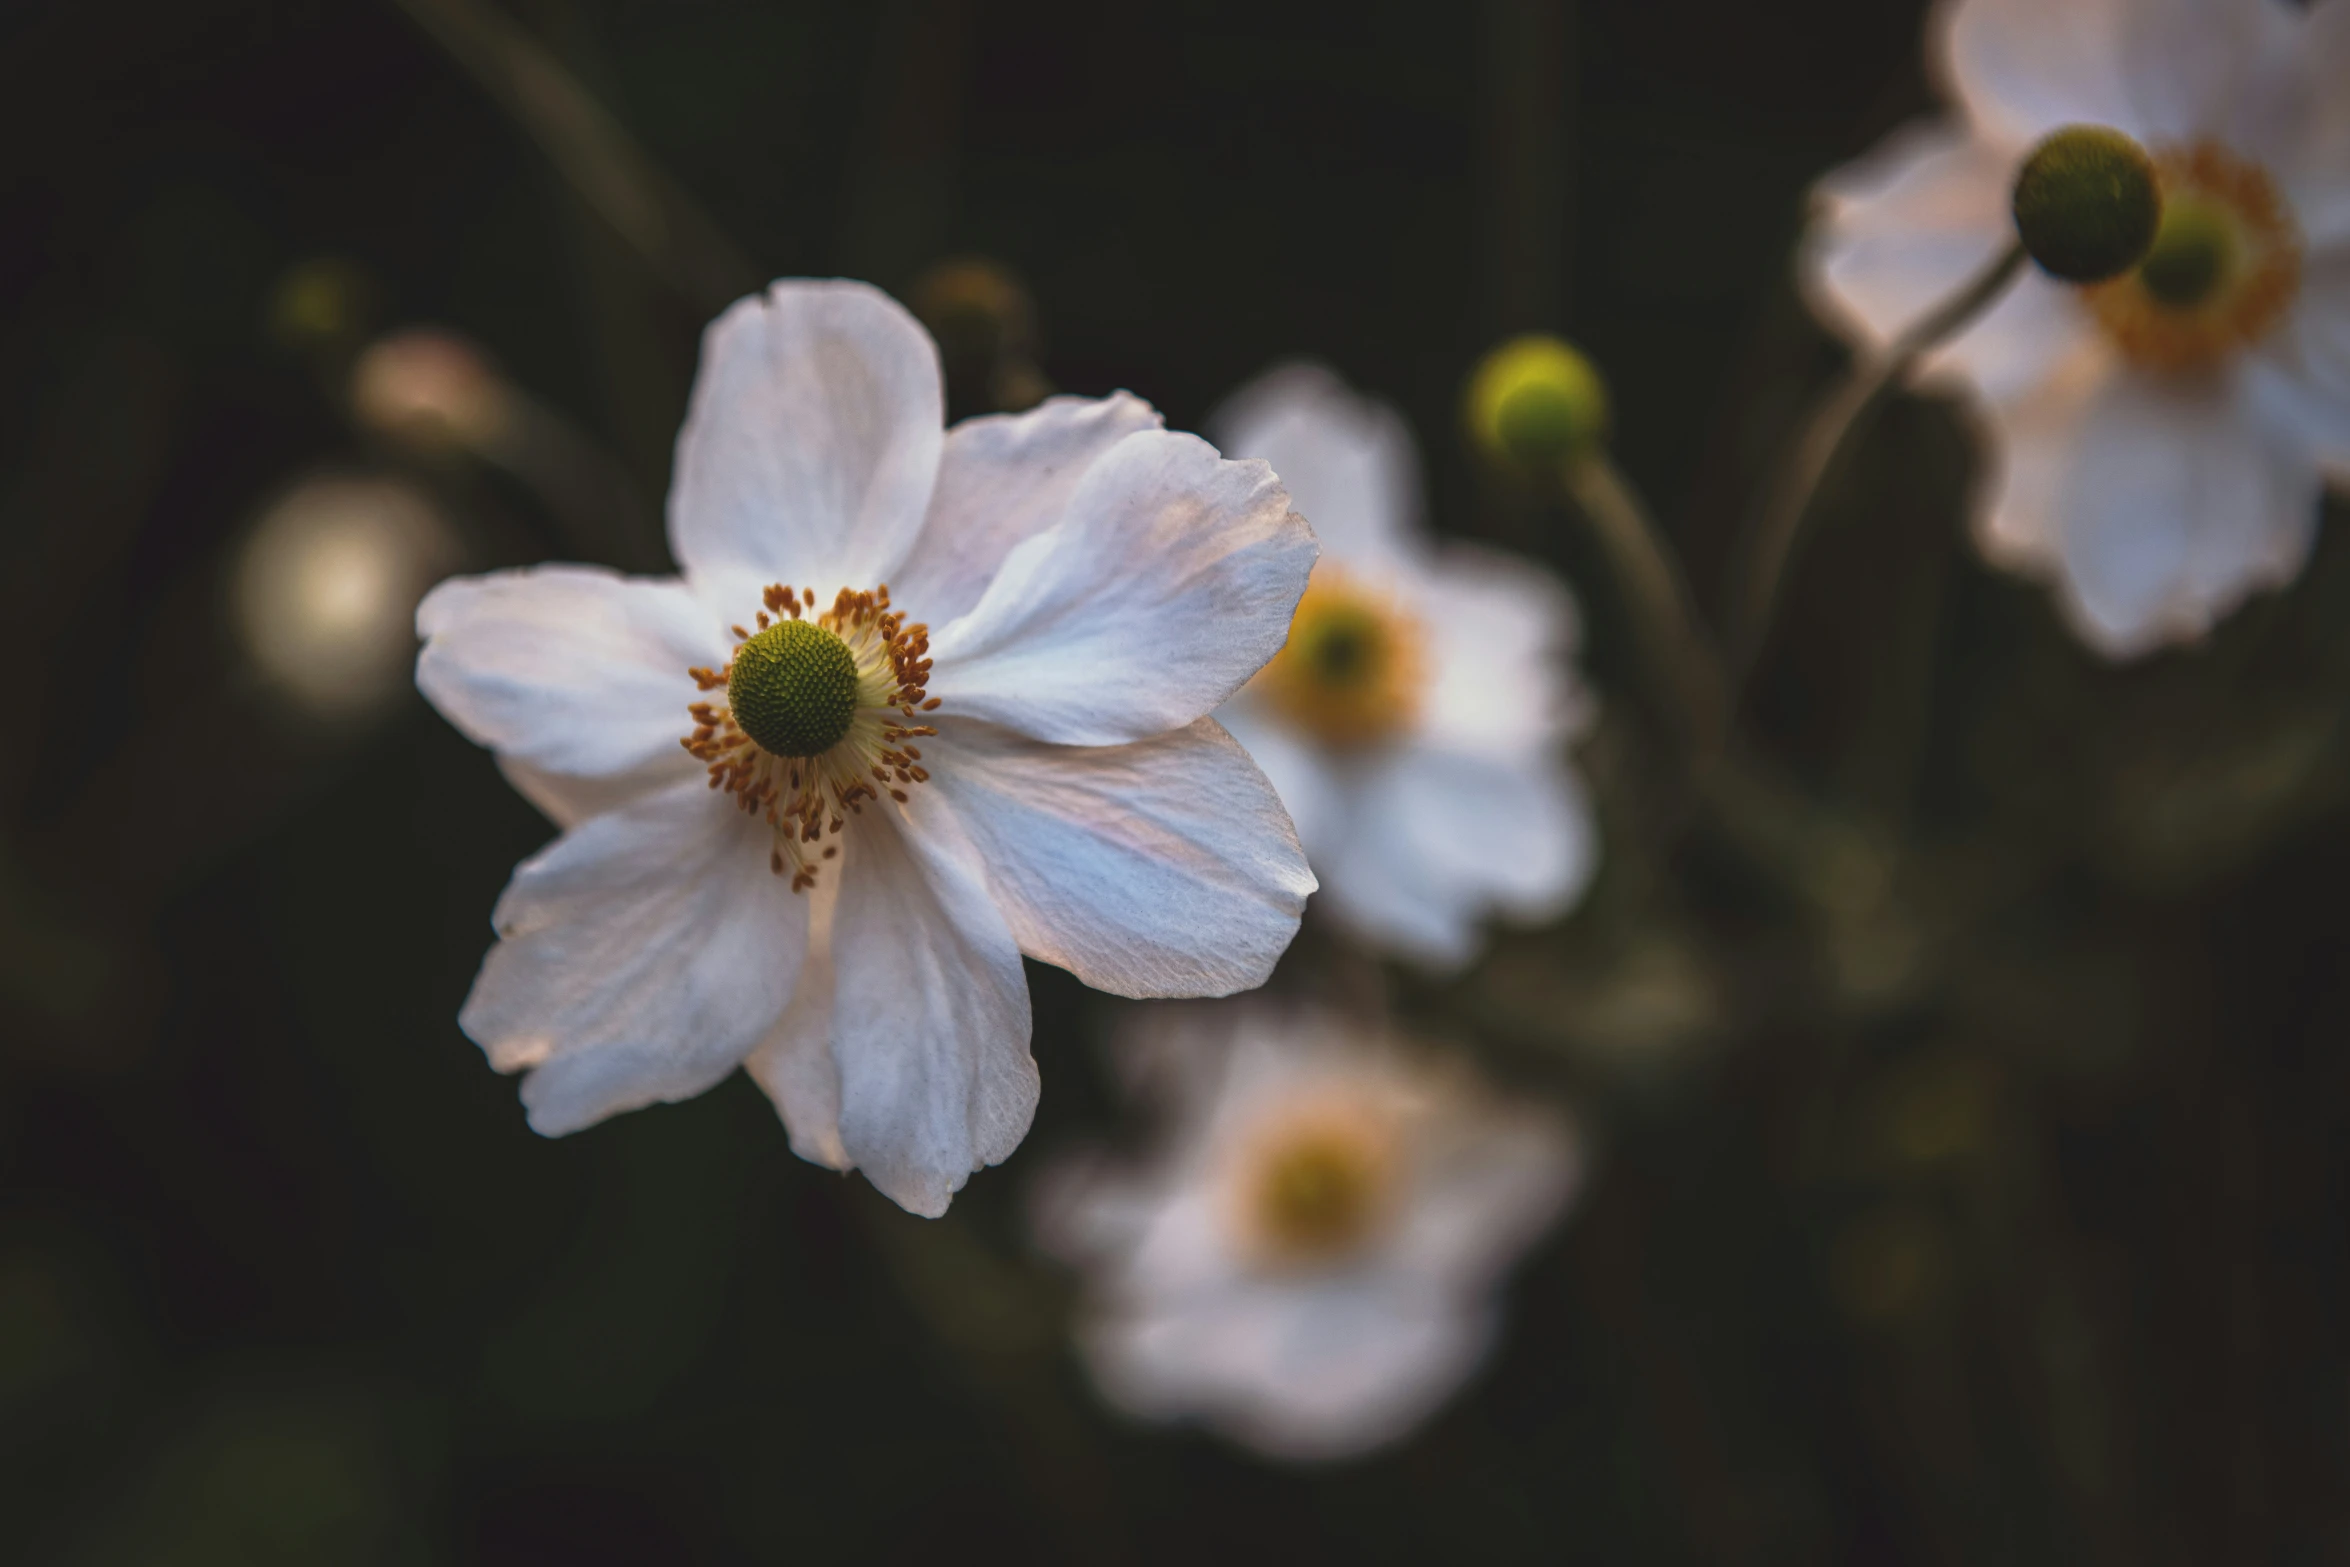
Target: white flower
point(1309, 1262)
point(2158, 460)
point(1415, 722)
point(835, 888)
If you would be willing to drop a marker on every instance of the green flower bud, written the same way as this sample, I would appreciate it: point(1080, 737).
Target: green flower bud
point(793, 689)
point(2087, 203)
point(2194, 251)
point(1536, 402)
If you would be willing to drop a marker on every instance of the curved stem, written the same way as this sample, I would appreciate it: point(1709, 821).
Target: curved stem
point(1827, 437)
point(1663, 612)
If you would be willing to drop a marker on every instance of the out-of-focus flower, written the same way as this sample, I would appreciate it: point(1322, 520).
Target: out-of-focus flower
point(2158, 439)
point(809, 836)
point(1308, 1264)
point(1416, 720)
point(325, 589)
point(431, 390)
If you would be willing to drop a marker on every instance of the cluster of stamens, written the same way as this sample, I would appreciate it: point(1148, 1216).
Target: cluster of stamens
point(2223, 273)
point(1352, 672)
point(860, 755)
point(1318, 1183)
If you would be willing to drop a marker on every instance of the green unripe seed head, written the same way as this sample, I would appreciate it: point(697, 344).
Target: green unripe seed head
point(793, 689)
point(2087, 203)
point(2194, 250)
point(1535, 402)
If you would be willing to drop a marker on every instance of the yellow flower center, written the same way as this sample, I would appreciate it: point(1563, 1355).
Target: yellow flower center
point(2223, 271)
point(1351, 671)
point(818, 718)
point(1318, 1187)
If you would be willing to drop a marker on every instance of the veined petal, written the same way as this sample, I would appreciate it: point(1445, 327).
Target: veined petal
point(811, 443)
point(1171, 580)
point(2170, 506)
point(794, 1062)
point(1305, 777)
point(572, 670)
point(1005, 478)
point(1905, 228)
point(1347, 461)
point(930, 1013)
point(640, 957)
point(1162, 868)
point(567, 799)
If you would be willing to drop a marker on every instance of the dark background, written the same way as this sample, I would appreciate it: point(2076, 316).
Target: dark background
point(1971, 1092)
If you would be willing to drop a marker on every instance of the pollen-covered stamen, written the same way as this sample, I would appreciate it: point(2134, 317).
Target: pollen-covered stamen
point(1317, 1184)
point(818, 716)
point(2223, 271)
point(1351, 672)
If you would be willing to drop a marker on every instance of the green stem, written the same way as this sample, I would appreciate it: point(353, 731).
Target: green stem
point(1827, 438)
point(1681, 659)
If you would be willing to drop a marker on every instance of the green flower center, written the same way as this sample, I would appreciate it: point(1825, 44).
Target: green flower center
point(794, 689)
point(2194, 253)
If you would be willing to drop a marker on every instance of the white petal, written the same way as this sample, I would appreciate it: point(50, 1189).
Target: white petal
point(794, 1062)
point(1501, 631)
point(1438, 838)
point(1162, 868)
point(811, 443)
point(2170, 503)
point(2311, 358)
point(1347, 461)
point(2319, 174)
point(1484, 1188)
point(572, 670)
point(1005, 478)
point(1300, 772)
point(1307, 1372)
point(1171, 580)
point(930, 1013)
point(2025, 67)
point(640, 957)
point(567, 800)
point(1904, 229)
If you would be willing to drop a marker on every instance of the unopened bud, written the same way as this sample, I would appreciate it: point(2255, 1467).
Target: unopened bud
point(2087, 203)
point(1536, 402)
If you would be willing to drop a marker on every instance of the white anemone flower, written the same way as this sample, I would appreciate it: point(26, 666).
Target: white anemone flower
point(1309, 1263)
point(1416, 721)
point(2157, 442)
point(808, 835)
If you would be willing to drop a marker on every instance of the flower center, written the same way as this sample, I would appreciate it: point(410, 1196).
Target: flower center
point(793, 689)
point(1319, 1188)
point(1350, 673)
point(818, 716)
point(2223, 271)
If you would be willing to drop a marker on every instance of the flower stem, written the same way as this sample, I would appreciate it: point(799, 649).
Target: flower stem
point(1663, 612)
point(1827, 438)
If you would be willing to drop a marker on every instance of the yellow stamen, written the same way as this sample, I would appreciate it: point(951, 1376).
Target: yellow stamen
point(2223, 273)
point(1318, 1185)
point(1351, 672)
point(806, 799)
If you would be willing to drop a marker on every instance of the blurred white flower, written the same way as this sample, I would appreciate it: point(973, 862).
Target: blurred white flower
point(835, 887)
point(1308, 1264)
point(1416, 721)
point(325, 589)
point(2158, 441)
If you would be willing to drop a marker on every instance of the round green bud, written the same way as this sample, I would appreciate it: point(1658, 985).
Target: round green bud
point(1535, 402)
point(2087, 203)
point(793, 689)
point(2194, 251)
